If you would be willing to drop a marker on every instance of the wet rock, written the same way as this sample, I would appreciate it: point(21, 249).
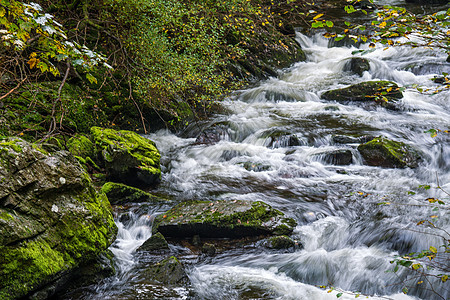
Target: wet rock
point(289, 96)
point(280, 139)
point(280, 242)
point(427, 1)
point(213, 135)
point(209, 249)
point(357, 65)
point(340, 157)
point(383, 152)
point(230, 154)
point(384, 93)
point(52, 220)
point(441, 80)
point(344, 139)
point(169, 271)
point(119, 194)
point(223, 219)
point(155, 242)
point(89, 273)
point(255, 167)
point(128, 157)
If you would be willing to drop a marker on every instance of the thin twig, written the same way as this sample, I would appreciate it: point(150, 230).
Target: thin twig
point(12, 91)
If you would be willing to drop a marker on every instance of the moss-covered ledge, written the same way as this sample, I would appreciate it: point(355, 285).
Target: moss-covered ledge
point(223, 219)
point(128, 158)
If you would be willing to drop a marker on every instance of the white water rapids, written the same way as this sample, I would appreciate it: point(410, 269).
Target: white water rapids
point(349, 239)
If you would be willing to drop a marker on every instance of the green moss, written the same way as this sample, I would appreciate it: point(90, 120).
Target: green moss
point(127, 156)
point(10, 143)
point(39, 260)
point(121, 193)
point(229, 214)
point(82, 146)
point(6, 216)
point(384, 152)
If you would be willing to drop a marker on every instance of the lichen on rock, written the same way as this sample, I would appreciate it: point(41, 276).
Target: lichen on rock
point(223, 219)
point(52, 219)
point(128, 157)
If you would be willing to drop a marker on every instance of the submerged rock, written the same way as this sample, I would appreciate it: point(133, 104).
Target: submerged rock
point(357, 65)
point(383, 152)
point(169, 271)
point(52, 220)
point(213, 135)
point(280, 139)
point(223, 219)
point(128, 157)
point(119, 193)
point(384, 93)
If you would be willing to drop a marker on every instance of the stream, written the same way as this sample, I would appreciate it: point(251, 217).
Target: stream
point(349, 239)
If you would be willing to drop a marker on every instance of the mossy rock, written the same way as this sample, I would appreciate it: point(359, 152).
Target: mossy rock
point(119, 194)
point(80, 145)
point(223, 219)
point(169, 271)
point(156, 242)
point(51, 218)
point(280, 242)
point(128, 157)
point(384, 93)
point(383, 152)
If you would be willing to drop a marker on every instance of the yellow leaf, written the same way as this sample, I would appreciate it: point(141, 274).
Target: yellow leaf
point(416, 266)
point(420, 282)
point(433, 249)
point(33, 62)
point(434, 217)
point(318, 16)
point(382, 24)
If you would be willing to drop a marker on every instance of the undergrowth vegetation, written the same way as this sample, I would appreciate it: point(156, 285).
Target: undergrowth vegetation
point(171, 60)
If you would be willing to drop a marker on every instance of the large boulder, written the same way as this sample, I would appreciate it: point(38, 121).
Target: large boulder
point(52, 220)
point(223, 219)
point(128, 157)
point(383, 152)
point(384, 93)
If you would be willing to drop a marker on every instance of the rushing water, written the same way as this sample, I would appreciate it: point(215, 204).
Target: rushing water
point(349, 239)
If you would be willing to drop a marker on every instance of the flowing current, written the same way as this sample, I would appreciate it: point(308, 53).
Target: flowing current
point(349, 238)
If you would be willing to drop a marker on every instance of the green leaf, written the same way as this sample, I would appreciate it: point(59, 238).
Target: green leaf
point(405, 290)
point(317, 24)
point(329, 24)
point(339, 295)
point(91, 78)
